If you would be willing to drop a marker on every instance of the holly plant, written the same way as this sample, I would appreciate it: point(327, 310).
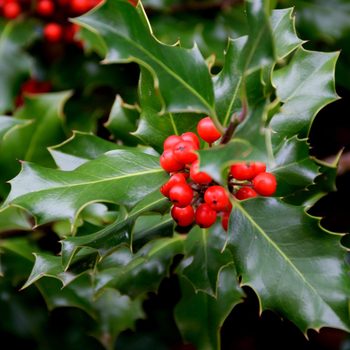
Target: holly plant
point(149, 159)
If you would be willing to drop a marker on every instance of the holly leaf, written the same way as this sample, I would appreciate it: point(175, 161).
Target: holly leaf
point(293, 167)
point(144, 272)
point(14, 36)
point(14, 219)
point(122, 121)
point(115, 313)
point(124, 177)
point(114, 234)
point(154, 128)
point(7, 124)
point(47, 265)
point(79, 149)
point(204, 258)
point(42, 126)
point(128, 37)
point(214, 161)
point(112, 311)
point(150, 227)
point(284, 34)
point(304, 86)
point(200, 316)
point(297, 268)
point(259, 49)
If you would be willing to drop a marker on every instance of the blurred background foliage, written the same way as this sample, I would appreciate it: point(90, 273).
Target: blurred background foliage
point(75, 66)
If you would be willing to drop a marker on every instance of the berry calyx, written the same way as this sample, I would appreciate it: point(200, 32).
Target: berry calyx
point(169, 163)
point(184, 152)
point(207, 130)
point(265, 184)
point(205, 216)
point(183, 216)
point(53, 32)
point(191, 137)
point(174, 179)
point(200, 177)
point(171, 141)
point(181, 195)
point(217, 198)
point(245, 193)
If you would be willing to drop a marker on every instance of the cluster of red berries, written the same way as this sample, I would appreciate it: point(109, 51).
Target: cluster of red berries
point(196, 197)
point(54, 12)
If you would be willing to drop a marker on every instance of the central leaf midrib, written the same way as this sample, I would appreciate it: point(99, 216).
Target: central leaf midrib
point(93, 182)
point(160, 63)
point(277, 248)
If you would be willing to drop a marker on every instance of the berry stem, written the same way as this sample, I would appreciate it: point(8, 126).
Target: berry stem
point(235, 121)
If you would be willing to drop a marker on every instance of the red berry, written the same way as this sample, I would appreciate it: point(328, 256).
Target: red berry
point(207, 130)
point(171, 141)
point(183, 216)
point(11, 10)
point(242, 171)
point(245, 193)
point(53, 32)
point(80, 6)
point(265, 184)
point(258, 167)
point(174, 179)
point(133, 2)
point(191, 137)
point(217, 198)
point(181, 195)
point(168, 161)
point(205, 216)
point(45, 7)
point(200, 177)
point(184, 152)
point(70, 31)
point(224, 220)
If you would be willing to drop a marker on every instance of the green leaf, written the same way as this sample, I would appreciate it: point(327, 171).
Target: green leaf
point(304, 86)
point(215, 161)
point(293, 167)
point(114, 234)
point(14, 219)
point(128, 37)
point(123, 177)
point(199, 316)
point(8, 124)
point(115, 313)
point(112, 312)
point(42, 126)
point(204, 258)
point(78, 294)
point(144, 272)
point(150, 227)
point(323, 19)
point(227, 83)
point(14, 35)
point(154, 128)
point(296, 268)
point(47, 265)
point(259, 49)
point(78, 149)
point(122, 121)
point(283, 28)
